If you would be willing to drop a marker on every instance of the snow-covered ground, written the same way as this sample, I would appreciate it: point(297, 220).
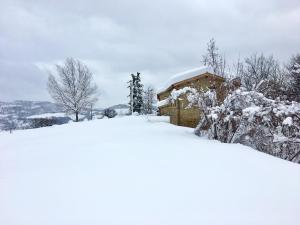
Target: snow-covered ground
point(138, 171)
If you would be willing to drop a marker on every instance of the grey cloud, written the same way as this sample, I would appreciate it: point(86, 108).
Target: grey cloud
point(116, 38)
point(22, 81)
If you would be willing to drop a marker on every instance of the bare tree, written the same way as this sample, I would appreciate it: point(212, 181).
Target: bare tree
point(258, 68)
point(73, 88)
point(149, 100)
point(294, 74)
point(214, 59)
point(237, 68)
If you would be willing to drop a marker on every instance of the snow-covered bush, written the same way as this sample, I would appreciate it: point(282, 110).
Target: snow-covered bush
point(110, 113)
point(200, 98)
point(273, 90)
point(249, 118)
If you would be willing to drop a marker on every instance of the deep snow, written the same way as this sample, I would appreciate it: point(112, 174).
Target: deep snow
point(137, 171)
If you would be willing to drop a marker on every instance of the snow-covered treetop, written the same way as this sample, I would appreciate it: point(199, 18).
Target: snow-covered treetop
point(296, 68)
point(184, 76)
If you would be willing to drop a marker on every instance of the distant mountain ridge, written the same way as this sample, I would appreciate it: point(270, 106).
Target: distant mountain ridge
point(119, 106)
point(23, 108)
point(15, 114)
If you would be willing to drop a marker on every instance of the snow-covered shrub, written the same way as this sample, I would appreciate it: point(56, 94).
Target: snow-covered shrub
point(175, 94)
point(110, 113)
point(249, 118)
point(272, 90)
point(200, 98)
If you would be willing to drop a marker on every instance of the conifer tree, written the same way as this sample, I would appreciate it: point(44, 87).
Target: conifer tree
point(136, 93)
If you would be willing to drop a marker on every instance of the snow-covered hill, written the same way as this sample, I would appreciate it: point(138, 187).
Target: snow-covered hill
point(17, 114)
point(137, 171)
point(14, 114)
point(26, 108)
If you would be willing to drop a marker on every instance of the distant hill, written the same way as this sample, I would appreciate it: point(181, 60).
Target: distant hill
point(17, 114)
point(121, 109)
point(14, 114)
point(27, 108)
point(119, 106)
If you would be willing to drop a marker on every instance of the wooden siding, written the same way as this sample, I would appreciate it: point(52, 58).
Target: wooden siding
point(179, 113)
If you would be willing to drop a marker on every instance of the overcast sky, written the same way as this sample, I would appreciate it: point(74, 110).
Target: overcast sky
point(118, 37)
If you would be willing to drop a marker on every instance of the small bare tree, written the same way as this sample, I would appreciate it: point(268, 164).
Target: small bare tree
point(73, 88)
point(214, 59)
point(258, 68)
point(149, 100)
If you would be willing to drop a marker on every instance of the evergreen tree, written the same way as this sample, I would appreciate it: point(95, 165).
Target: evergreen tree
point(136, 93)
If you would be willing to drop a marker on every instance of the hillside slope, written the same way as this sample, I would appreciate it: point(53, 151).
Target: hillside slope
point(133, 171)
point(13, 114)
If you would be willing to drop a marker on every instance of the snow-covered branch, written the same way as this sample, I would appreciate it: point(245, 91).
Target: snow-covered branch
point(249, 118)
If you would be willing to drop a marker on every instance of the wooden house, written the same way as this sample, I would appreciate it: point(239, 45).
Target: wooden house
point(201, 79)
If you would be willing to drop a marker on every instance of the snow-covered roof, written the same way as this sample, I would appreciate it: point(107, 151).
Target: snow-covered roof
point(184, 76)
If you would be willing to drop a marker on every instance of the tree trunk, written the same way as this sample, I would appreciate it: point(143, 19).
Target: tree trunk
point(76, 114)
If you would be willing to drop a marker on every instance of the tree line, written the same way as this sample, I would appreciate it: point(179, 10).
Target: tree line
point(258, 72)
point(142, 101)
point(261, 107)
point(73, 88)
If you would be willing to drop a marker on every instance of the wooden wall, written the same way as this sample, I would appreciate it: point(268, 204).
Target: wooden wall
point(178, 112)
